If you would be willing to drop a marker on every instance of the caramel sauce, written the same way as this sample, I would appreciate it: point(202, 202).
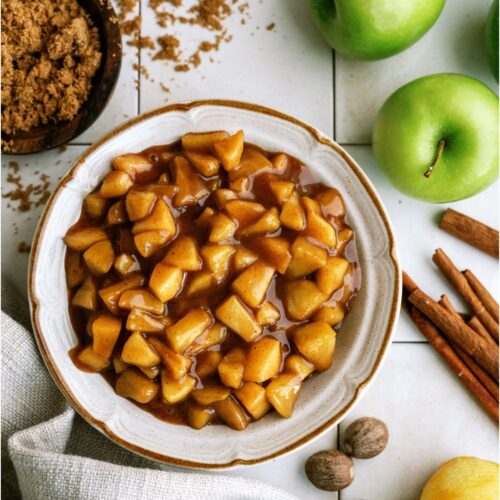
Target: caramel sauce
point(306, 184)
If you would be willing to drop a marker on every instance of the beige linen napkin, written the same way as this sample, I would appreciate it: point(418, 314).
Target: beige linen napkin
point(50, 453)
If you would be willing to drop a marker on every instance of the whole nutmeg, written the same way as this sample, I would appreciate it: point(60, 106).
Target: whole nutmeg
point(330, 470)
point(366, 438)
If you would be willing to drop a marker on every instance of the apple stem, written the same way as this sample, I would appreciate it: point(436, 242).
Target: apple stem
point(442, 144)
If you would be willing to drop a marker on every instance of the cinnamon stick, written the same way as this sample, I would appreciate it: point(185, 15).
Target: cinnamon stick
point(471, 231)
point(431, 333)
point(483, 352)
point(460, 283)
point(490, 385)
point(485, 297)
point(477, 326)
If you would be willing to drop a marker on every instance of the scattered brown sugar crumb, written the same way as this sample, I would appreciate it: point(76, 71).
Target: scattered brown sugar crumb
point(23, 247)
point(132, 26)
point(50, 52)
point(165, 88)
point(169, 48)
point(125, 7)
point(271, 26)
point(28, 196)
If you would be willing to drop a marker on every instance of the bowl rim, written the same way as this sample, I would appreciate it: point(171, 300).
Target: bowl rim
point(360, 389)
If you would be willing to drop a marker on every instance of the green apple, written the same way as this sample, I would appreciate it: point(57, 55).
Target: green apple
point(491, 35)
point(374, 29)
point(436, 138)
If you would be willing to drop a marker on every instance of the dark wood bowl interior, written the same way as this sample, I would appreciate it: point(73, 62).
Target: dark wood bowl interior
point(49, 136)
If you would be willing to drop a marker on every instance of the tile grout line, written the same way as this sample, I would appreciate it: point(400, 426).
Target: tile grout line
point(139, 62)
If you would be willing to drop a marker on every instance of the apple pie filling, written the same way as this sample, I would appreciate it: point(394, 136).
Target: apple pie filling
point(208, 279)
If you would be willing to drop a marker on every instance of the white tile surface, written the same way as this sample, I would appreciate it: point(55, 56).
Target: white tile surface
point(430, 415)
point(418, 236)
point(455, 44)
point(289, 68)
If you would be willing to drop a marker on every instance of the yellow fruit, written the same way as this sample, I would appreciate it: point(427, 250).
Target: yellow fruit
point(463, 478)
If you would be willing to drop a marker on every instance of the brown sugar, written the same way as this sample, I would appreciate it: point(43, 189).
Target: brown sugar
point(29, 195)
point(23, 247)
point(50, 53)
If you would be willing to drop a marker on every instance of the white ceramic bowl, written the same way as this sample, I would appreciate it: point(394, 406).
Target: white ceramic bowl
point(325, 398)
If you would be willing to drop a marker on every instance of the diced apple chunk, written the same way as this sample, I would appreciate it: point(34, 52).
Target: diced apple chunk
point(140, 321)
point(243, 257)
point(199, 283)
point(223, 228)
point(267, 314)
point(183, 254)
point(238, 318)
point(99, 257)
point(320, 229)
point(192, 187)
point(175, 391)
point(252, 284)
point(126, 264)
point(311, 205)
point(283, 391)
point(132, 164)
point(244, 212)
point(302, 298)
point(116, 214)
point(229, 150)
point(165, 281)
point(281, 190)
point(252, 161)
point(182, 334)
point(139, 204)
point(275, 251)
point(105, 332)
point(241, 185)
point(295, 363)
point(202, 142)
point(82, 238)
point(95, 205)
point(86, 295)
point(207, 363)
point(222, 196)
point(331, 201)
point(148, 242)
point(75, 272)
point(137, 351)
point(91, 360)
point(332, 315)
point(176, 364)
point(141, 299)
point(216, 334)
point(116, 183)
point(263, 360)
point(207, 165)
point(292, 214)
point(231, 368)
point(199, 416)
point(119, 365)
point(134, 385)
point(217, 259)
point(232, 413)
point(280, 162)
point(160, 219)
point(316, 342)
point(331, 276)
point(210, 394)
point(253, 397)
point(306, 258)
point(151, 372)
point(111, 294)
point(268, 223)
point(344, 237)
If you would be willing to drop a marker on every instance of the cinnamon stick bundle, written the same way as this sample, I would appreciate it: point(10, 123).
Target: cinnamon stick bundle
point(431, 333)
point(483, 377)
point(460, 283)
point(471, 231)
point(484, 296)
point(483, 352)
point(477, 326)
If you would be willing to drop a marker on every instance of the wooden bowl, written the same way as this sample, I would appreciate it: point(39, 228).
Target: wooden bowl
point(49, 136)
